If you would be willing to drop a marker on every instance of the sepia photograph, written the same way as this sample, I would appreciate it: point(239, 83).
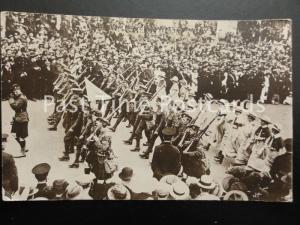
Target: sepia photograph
point(112, 108)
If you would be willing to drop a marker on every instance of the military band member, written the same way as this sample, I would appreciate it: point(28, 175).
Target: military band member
point(18, 102)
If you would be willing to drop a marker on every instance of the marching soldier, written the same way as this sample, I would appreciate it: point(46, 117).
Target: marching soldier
point(74, 124)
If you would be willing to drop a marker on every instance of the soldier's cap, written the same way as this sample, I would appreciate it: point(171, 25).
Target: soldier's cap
point(4, 137)
point(40, 169)
point(169, 131)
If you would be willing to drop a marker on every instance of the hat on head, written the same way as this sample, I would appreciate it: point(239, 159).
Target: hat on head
point(73, 191)
point(59, 186)
point(228, 181)
point(126, 173)
point(266, 119)
point(191, 180)
point(118, 192)
point(251, 115)
point(206, 182)
point(84, 180)
point(169, 179)
point(277, 126)
point(236, 195)
point(4, 137)
point(40, 169)
point(180, 191)
point(169, 131)
point(162, 191)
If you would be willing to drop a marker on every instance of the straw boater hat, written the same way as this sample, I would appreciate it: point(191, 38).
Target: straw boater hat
point(206, 182)
point(169, 179)
point(236, 195)
point(118, 192)
point(265, 119)
point(162, 191)
point(73, 191)
point(179, 191)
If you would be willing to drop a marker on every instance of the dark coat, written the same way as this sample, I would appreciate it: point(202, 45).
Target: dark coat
point(9, 173)
point(19, 105)
point(98, 191)
point(166, 160)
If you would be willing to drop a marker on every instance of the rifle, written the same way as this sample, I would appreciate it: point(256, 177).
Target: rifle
point(180, 144)
point(199, 135)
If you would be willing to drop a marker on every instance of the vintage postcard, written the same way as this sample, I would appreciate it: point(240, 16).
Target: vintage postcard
point(106, 108)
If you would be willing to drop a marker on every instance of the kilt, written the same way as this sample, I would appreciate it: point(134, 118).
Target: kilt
point(20, 129)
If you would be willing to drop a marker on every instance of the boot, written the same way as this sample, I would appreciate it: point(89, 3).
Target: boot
point(52, 128)
point(64, 158)
point(137, 146)
point(129, 141)
point(145, 155)
point(219, 157)
point(74, 165)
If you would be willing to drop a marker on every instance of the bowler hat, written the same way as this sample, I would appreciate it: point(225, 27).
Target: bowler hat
point(126, 173)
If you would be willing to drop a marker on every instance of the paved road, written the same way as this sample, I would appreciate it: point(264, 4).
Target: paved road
point(47, 146)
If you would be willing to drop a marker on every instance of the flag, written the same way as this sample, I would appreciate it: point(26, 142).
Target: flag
point(94, 93)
